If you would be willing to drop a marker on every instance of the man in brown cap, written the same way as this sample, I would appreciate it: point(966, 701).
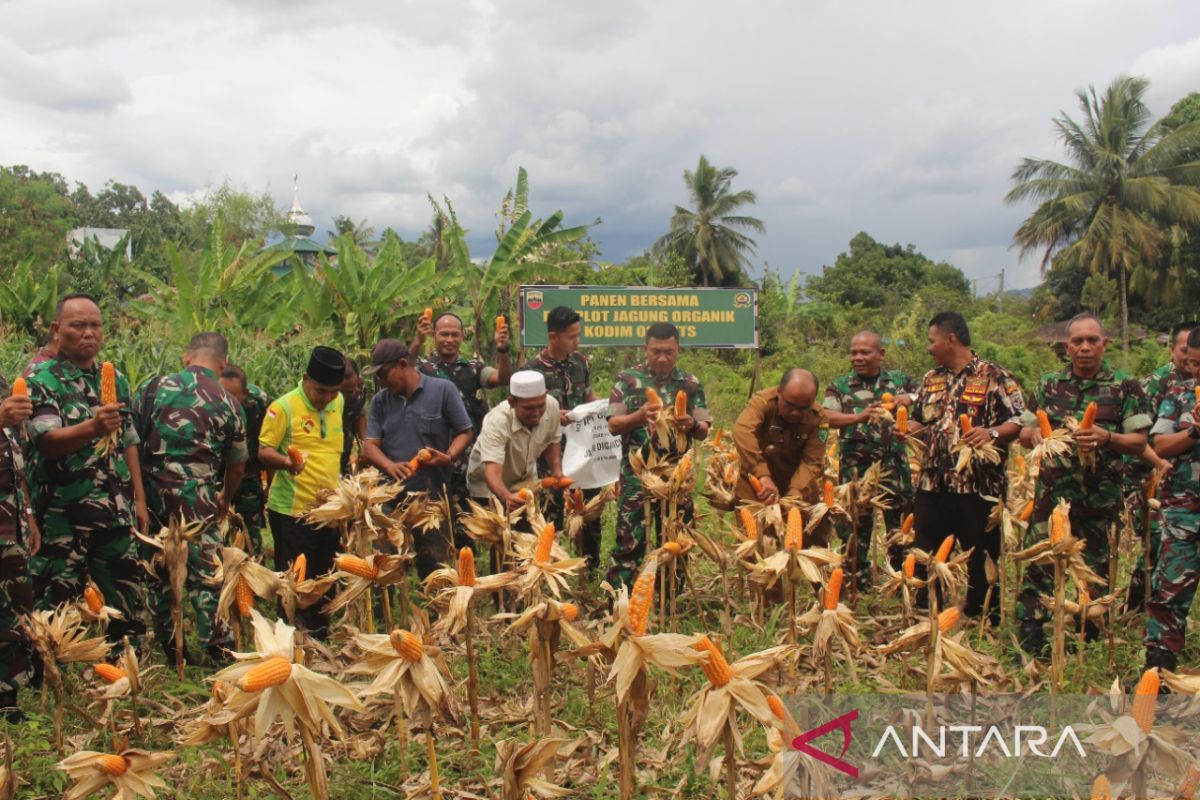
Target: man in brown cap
point(780, 438)
point(414, 412)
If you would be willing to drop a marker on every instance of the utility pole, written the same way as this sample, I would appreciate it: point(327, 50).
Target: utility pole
point(1000, 297)
point(975, 288)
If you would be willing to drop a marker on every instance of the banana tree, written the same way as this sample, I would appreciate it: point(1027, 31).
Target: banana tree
point(27, 297)
point(212, 289)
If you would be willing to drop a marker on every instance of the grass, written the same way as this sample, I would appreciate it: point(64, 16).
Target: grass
point(372, 770)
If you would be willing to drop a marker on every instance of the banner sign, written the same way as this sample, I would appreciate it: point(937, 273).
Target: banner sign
point(620, 315)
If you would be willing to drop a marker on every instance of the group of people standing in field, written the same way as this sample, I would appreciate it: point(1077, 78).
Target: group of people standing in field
point(87, 461)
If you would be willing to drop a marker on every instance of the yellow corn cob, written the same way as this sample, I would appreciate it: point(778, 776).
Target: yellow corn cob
point(641, 597)
point(1044, 424)
point(1027, 511)
point(407, 645)
point(19, 389)
point(564, 483)
point(295, 455)
point(833, 591)
point(653, 401)
point(524, 495)
point(716, 668)
point(948, 619)
point(1021, 464)
point(108, 384)
point(549, 482)
point(357, 565)
point(717, 438)
point(1145, 696)
point(910, 566)
point(111, 764)
point(964, 422)
point(577, 501)
point(501, 323)
point(1058, 526)
point(1101, 788)
point(943, 552)
point(731, 473)
point(680, 403)
point(544, 544)
point(685, 465)
point(466, 567)
point(109, 673)
point(245, 597)
point(569, 611)
point(755, 483)
point(907, 525)
point(776, 706)
point(427, 315)
point(1089, 416)
point(1152, 485)
point(794, 537)
point(827, 494)
point(748, 523)
point(902, 420)
point(300, 568)
point(887, 397)
point(674, 548)
point(93, 598)
point(1187, 789)
point(271, 672)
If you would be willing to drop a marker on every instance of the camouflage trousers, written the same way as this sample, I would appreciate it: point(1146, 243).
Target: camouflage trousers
point(16, 599)
point(1136, 595)
point(203, 555)
point(630, 548)
point(107, 556)
point(1093, 527)
point(1173, 584)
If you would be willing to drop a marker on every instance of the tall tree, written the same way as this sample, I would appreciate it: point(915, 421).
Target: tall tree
point(1128, 183)
point(710, 235)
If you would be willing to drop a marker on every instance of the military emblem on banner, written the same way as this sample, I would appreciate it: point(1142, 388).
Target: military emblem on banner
point(534, 299)
point(741, 300)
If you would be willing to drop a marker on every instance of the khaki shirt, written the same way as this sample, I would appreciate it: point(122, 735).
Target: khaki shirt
point(793, 456)
point(504, 440)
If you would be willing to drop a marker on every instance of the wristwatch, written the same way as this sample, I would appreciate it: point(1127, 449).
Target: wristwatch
point(995, 434)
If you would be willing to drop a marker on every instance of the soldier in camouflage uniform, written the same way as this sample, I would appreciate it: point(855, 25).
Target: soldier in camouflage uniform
point(568, 381)
point(251, 501)
point(949, 502)
point(194, 454)
point(1122, 419)
point(1156, 385)
point(92, 497)
point(470, 375)
point(629, 419)
point(849, 401)
point(19, 538)
point(1176, 437)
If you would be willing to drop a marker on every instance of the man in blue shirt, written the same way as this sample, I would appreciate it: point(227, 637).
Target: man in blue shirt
point(415, 412)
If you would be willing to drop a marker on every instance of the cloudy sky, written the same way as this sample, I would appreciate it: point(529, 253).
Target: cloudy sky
point(900, 119)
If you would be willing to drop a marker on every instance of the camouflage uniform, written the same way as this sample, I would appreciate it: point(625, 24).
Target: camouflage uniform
point(1095, 495)
point(251, 500)
point(1156, 386)
point(191, 430)
point(569, 382)
point(864, 444)
point(628, 396)
point(16, 587)
point(86, 508)
point(471, 377)
point(1173, 584)
point(949, 502)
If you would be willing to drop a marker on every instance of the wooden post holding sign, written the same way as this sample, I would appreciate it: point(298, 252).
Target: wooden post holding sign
point(616, 316)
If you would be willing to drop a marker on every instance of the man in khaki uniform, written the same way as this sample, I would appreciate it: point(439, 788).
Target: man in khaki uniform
point(780, 438)
point(512, 438)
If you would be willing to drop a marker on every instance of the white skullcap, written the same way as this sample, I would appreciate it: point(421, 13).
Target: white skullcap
point(527, 383)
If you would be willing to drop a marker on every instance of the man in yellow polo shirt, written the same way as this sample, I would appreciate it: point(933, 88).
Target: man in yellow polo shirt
point(309, 417)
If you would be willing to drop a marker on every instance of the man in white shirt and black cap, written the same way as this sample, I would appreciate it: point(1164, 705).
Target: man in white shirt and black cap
point(514, 435)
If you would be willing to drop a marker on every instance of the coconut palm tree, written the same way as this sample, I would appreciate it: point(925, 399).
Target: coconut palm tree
point(710, 238)
point(1126, 186)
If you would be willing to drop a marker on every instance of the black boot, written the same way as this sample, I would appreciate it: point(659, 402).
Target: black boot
point(8, 708)
point(1160, 657)
point(1032, 638)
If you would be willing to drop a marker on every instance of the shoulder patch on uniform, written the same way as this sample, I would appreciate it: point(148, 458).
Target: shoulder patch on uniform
point(271, 413)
